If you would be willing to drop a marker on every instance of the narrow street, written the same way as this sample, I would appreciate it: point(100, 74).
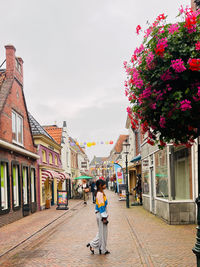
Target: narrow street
point(131, 241)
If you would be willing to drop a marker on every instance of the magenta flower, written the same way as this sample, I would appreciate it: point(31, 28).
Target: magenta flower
point(173, 28)
point(178, 65)
point(162, 122)
point(147, 92)
point(185, 105)
point(138, 29)
point(197, 46)
point(166, 76)
point(153, 106)
point(149, 60)
point(129, 110)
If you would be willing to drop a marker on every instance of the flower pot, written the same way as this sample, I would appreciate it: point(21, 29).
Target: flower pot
point(48, 204)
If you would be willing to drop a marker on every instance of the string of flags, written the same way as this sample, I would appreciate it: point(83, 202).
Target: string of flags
point(90, 144)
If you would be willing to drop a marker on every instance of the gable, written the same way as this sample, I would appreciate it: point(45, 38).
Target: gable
point(14, 100)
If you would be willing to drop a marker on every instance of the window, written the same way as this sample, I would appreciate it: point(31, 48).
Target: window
point(16, 185)
point(4, 184)
point(33, 197)
point(67, 158)
point(181, 173)
point(50, 158)
point(161, 173)
point(17, 128)
point(25, 184)
point(44, 159)
point(56, 160)
point(145, 176)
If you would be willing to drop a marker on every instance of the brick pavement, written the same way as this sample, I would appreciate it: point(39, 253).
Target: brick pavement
point(136, 238)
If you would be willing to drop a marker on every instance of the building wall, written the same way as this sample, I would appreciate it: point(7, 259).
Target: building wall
point(13, 215)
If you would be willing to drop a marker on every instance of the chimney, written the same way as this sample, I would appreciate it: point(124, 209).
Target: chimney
point(14, 66)
point(10, 61)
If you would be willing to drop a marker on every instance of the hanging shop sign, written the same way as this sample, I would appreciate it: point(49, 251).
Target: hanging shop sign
point(62, 200)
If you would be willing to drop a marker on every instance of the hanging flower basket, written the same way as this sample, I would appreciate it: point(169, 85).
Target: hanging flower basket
point(163, 80)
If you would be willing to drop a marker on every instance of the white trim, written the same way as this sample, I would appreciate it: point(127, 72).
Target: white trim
point(175, 201)
point(18, 149)
point(144, 195)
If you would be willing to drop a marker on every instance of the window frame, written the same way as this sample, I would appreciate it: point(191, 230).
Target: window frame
point(18, 116)
point(33, 168)
point(16, 163)
point(45, 156)
point(8, 187)
point(28, 189)
point(50, 156)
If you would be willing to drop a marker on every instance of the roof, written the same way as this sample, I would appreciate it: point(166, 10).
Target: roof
point(119, 144)
point(55, 132)
point(36, 128)
point(98, 160)
point(5, 87)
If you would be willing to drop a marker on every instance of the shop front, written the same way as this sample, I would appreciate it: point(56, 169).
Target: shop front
point(168, 184)
point(51, 181)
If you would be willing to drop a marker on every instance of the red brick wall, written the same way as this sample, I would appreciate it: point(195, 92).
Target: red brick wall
point(16, 102)
point(6, 155)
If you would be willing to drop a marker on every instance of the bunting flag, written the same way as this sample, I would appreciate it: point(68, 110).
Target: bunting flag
point(90, 144)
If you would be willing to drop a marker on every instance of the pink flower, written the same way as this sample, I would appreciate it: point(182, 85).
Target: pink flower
point(162, 122)
point(129, 110)
point(161, 30)
point(173, 28)
point(153, 106)
point(149, 60)
point(178, 65)
point(198, 93)
point(166, 76)
point(146, 93)
point(125, 64)
point(169, 88)
point(197, 46)
point(125, 84)
point(185, 105)
point(136, 80)
point(138, 29)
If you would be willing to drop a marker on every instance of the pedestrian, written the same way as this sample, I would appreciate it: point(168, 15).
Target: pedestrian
point(138, 188)
point(100, 241)
point(93, 190)
point(86, 189)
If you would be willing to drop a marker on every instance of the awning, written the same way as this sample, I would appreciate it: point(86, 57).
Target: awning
point(49, 174)
point(137, 158)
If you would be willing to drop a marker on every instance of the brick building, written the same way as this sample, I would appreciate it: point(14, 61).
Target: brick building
point(17, 151)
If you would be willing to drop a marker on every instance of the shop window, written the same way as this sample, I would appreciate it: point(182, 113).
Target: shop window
point(4, 184)
point(50, 158)
point(181, 173)
point(16, 185)
point(145, 176)
point(25, 184)
point(33, 187)
point(56, 160)
point(17, 128)
point(161, 174)
point(44, 158)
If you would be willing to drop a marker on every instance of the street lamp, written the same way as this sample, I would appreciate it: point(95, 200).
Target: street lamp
point(126, 146)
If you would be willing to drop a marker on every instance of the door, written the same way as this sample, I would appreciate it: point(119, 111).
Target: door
point(152, 191)
point(52, 193)
point(26, 191)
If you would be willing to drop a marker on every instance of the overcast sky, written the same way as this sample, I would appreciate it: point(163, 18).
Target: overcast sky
point(73, 52)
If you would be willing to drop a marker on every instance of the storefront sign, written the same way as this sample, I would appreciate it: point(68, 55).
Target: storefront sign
point(122, 191)
point(119, 175)
point(62, 200)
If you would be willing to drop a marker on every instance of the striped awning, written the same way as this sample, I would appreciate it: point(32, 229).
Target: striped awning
point(49, 174)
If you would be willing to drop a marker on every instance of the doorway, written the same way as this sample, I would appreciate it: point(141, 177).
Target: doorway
point(152, 191)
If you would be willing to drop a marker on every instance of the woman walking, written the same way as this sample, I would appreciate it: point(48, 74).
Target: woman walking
point(86, 189)
point(100, 241)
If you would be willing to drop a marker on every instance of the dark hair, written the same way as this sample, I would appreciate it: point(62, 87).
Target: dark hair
point(99, 183)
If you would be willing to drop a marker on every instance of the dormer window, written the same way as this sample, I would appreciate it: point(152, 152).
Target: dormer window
point(17, 128)
point(18, 66)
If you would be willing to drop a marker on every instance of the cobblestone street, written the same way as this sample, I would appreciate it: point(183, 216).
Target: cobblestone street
point(136, 238)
